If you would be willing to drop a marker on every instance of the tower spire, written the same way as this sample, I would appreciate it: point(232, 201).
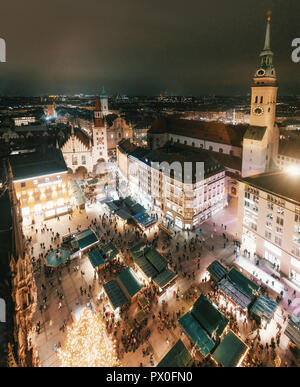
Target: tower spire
point(266, 67)
point(267, 45)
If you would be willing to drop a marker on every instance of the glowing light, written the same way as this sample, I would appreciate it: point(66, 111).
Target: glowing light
point(293, 170)
point(87, 344)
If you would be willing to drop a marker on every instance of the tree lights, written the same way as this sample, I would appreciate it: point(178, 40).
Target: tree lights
point(87, 344)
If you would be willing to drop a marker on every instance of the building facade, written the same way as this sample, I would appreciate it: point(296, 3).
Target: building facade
point(41, 184)
point(160, 181)
point(269, 220)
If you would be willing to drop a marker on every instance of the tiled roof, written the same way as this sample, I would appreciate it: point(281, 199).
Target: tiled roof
point(206, 130)
point(125, 146)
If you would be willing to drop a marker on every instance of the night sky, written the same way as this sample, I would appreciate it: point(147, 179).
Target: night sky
point(144, 47)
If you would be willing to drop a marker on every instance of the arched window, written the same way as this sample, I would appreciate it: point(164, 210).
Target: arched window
point(210, 148)
point(221, 150)
point(256, 99)
point(261, 99)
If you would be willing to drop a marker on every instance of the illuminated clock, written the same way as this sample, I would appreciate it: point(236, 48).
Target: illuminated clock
point(260, 72)
point(258, 111)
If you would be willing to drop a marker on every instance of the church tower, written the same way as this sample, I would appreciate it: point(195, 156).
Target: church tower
point(104, 102)
point(260, 144)
point(99, 135)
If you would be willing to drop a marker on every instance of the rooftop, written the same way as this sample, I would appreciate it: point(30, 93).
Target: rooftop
point(178, 356)
point(36, 164)
point(209, 316)
point(230, 351)
point(206, 130)
point(282, 184)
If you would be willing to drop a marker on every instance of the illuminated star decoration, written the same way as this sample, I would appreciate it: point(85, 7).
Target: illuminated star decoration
point(87, 344)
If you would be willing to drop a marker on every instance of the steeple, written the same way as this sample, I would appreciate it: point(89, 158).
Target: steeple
point(98, 121)
point(267, 45)
point(266, 68)
point(103, 93)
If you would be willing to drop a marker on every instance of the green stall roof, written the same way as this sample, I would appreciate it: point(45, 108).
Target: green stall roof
point(138, 250)
point(130, 282)
point(137, 208)
point(124, 214)
point(86, 238)
point(96, 258)
point(128, 201)
point(230, 350)
point(164, 278)
point(109, 251)
point(209, 316)
point(217, 270)
point(115, 294)
point(264, 308)
point(178, 356)
point(156, 259)
point(197, 334)
point(148, 269)
point(244, 284)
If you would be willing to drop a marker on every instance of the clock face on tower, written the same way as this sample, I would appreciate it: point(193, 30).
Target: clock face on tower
point(260, 72)
point(258, 111)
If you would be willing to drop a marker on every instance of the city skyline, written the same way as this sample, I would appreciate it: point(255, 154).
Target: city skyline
point(144, 49)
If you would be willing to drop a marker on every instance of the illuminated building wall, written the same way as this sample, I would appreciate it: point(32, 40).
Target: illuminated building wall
point(269, 224)
point(43, 197)
point(186, 205)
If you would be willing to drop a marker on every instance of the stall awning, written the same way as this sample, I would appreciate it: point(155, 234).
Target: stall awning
point(197, 334)
point(96, 258)
point(86, 239)
point(164, 278)
point(178, 356)
point(130, 282)
point(209, 316)
point(115, 294)
point(148, 269)
point(156, 259)
point(244, 284)
point(264, 308)
point(230, 351)
point(228, 288)
point(217, 270)
point(123, 214)
point(109, 251)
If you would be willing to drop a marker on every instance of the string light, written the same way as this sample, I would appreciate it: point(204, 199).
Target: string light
point(87, 344)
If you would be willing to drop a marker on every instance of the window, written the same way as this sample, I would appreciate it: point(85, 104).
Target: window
point(261, 99)
point(278, 241)
point(221, 150)
point(256, 99)
point(268, 235)
point(279, 221)
point(23, 184)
